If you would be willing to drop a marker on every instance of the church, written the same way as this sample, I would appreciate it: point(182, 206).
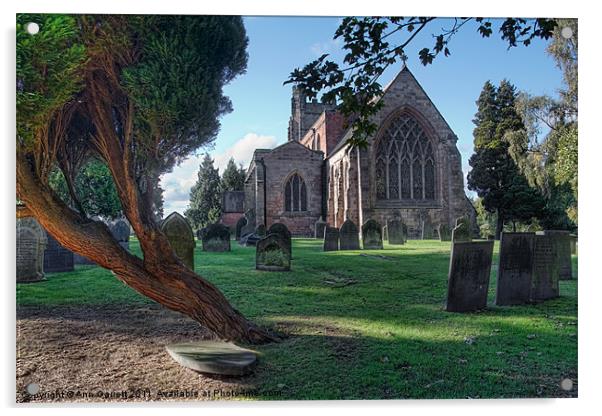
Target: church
point(410, 168)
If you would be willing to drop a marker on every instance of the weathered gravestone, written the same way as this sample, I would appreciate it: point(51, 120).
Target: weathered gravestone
point(461, 231)
point(515, 269)
point(180, 236)
point(216, 238)
point(349, 238)
point(249, 227)
point(444, 232)
point(261, 231)
point(331, 238)
point(214, 357)
point(272, 254)
point(283, 231)
point(120, 230)
point(546, 267)
point(562, 240)
point(372, 238)
point(56, 257)
point(31, 243)
point(242, 221)
point(319, 228)
point(468, 281)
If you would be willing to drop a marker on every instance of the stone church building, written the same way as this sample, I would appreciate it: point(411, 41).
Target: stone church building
point(411, 167)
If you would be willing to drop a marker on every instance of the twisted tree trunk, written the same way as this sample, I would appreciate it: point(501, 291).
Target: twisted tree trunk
point(161, 276)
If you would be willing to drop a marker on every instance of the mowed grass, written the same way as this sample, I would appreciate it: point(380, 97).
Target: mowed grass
point(384, 335)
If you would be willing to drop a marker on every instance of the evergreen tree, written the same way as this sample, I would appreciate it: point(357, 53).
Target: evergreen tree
point(233, 178)
point(205, 196)
point(495, 176)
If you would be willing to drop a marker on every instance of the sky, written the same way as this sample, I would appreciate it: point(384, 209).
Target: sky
point(277, 45)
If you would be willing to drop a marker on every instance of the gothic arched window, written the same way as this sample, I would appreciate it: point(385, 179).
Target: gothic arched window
point(295, 194)
point(405, 162)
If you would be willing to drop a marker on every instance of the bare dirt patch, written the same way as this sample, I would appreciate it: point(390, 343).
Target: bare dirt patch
point(111, 353)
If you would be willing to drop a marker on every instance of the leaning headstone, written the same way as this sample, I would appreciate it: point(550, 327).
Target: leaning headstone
point(180, 236)
point(261, 231)
point(562, 240)
point(249, 227)
point(242, 221)
point(319, 227)
point(444, 232)
point(272, 254)
point(372, 238)
point(468, 281)
point(461, 231)
point(120, 230)
point(214, 357)
point(331, 238)
point(515, 269)
point(216, 238)
point(546, 267)
point(31, 243)
point(56, 257)
point(283, 231)
point(349, 238)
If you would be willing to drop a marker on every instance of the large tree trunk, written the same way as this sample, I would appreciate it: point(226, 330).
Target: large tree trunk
point(161, 276)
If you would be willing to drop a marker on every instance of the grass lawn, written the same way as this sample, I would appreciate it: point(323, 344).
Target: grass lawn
point(368, 324)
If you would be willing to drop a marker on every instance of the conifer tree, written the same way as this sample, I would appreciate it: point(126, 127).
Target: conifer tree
point(205, 196)
point(233, 178)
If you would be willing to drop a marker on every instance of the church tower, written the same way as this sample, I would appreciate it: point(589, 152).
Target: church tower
point(304, 114)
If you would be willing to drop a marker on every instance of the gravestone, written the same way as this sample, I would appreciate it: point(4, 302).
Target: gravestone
point(120, 230)
point(242, 221)
point(31, 243)
point(180, 236)
point(319, 227)
point(261, 231)
point(395, 231)
point(216, 238)
point(385, 233)
point(546, 268)
point(272, 254)
point(515, 269)
point(56, 257)
point(214, 357)
point(249, 227)
point(404, 232)
point(372, 238)
point(349, 238)
point(444, 232)
point(331, 239)
point(562, 240)
point(283, 231)
point(468, 281)
point(461, 232)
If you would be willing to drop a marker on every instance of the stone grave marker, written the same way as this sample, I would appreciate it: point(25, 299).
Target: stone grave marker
point(283, 231)
point(180, 236)
point(546, 268)
point(242, 221)
point(562, 240)
point(214, 357)
point(515, 269)
point(120, 230)
point(372, 238)
point(461, 231)
point(216, 238)
point(349, 238)
point(56, 257)
point(272, 254)
point(331, 238)
point(444, 232)
point(468, 280)
point(249, 227)
point(31, 243)
point(319, 228)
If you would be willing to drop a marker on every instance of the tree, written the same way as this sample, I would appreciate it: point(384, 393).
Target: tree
point(233, 178)
point(140, 93)
point(372, 44)
point(495, 177)
point(205, 196)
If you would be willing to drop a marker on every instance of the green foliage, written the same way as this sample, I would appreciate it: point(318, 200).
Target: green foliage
point(94, 188)
point(233, 178)
point(372, 44)
point(49, 71)
point(386, 335)
point(205, 196)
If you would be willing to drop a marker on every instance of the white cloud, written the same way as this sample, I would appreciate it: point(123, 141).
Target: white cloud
point(177, 184)
point(329, 47)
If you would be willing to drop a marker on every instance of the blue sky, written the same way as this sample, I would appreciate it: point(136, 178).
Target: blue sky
point(277, 45)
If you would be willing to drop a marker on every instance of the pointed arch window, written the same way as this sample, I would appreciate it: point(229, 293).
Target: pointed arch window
point(295, 194)
point(405, 162)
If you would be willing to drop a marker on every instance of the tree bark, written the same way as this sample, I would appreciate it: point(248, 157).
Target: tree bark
point(164, 279)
